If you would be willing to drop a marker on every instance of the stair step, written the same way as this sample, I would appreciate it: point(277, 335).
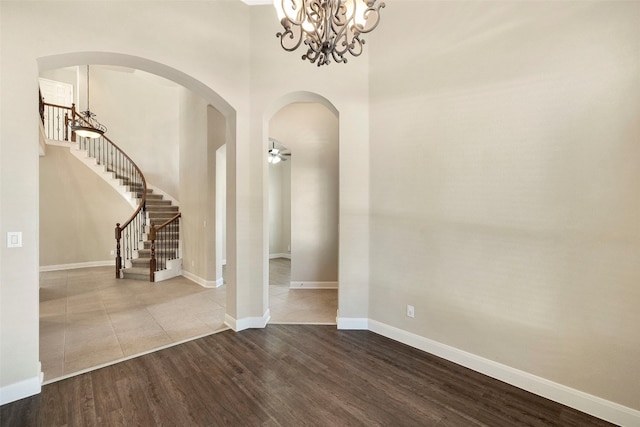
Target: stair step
point(146, 252)
point(167, 235)
point(162, 208)
point(158, 202)
point(134, 273)
point(160, 217)
point(147, 245)
point(143, 263)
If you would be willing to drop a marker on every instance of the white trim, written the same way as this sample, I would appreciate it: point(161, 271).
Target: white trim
point(257, 2)
point(353, 323)
point(282, 255)
point(20, 390)
point(247, 322)
point(202, 282)
point(303, 323)
point(174, 269)
point(109, 263)
point(230, 322)
point(313, 285)
point(593, 405)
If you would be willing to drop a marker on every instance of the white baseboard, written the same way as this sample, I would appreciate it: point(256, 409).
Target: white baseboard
point(20, 390)
point(202, 282)
point(274, 256)
point(313, 285)
point(248, 322)
point(109, 263)
point(353, 323)
point(568, 396)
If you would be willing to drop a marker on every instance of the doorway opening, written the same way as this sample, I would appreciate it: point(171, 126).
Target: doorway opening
point(303, 214)
point(97, 322)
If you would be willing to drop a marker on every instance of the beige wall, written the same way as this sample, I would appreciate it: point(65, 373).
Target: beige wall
point(78, 211)
point(140, 111)
point(167, 38)
point(281, 78)
point(279, 208)
point(310, 131)
point(505, 187)
point(202, 133)
point(489, 219)
point(215, 234)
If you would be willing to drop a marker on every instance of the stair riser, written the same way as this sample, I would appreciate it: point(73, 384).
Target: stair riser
point(162, 209)
point(159, 243)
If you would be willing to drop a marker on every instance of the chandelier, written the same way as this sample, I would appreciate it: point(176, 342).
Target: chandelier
point(329, 28)
point(87, 126)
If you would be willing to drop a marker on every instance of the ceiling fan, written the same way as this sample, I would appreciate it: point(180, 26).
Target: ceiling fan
point(277, 152)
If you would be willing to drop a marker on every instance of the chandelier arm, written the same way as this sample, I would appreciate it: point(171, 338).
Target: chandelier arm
point(289, 34)
point(373, 13)
point(329, 28)
point(302, 13)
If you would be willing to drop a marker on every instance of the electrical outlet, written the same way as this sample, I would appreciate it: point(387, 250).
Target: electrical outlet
point(113, 252)
point(410, 311)
point(193, 263)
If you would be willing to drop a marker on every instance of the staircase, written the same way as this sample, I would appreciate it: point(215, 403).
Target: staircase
point(148, 243)
point(158, 211)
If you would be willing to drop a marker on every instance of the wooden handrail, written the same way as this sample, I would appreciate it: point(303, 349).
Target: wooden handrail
point(143, 200)
point(166, 223)
point(141, 205)
point(153, 230)
point(144, 181)
point(128, 164)
point(57, 106)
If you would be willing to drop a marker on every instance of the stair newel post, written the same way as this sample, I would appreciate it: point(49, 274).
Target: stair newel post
point(152, 263)
point(66, 126)
point(118, 257)
point(73, 117)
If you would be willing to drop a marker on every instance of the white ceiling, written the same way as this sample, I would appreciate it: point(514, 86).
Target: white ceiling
point(257, 2)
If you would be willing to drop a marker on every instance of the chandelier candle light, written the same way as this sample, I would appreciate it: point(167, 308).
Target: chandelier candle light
point(329, 28)
point(87, 126)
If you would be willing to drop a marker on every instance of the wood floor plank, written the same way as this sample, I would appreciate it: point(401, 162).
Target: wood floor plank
point(288, 375)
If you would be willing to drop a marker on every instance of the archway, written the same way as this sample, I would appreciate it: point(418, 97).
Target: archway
point(308, 125)
point(208, 95)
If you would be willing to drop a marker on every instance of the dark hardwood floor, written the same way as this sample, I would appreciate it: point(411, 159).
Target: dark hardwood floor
point(288, 375)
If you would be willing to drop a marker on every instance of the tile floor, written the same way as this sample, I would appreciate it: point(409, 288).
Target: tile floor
point(88, 318)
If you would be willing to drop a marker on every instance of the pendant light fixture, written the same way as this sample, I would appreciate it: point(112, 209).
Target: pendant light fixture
point(87, 126)
point(329, 28)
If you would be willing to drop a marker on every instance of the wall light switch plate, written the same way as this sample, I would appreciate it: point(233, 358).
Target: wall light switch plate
point(14, 239)
point(411, 311)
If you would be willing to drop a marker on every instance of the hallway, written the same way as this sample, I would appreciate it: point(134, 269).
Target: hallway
point(89, 319)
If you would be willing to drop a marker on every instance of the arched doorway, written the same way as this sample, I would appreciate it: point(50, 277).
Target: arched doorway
point(224, 113)
point(307, 124)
